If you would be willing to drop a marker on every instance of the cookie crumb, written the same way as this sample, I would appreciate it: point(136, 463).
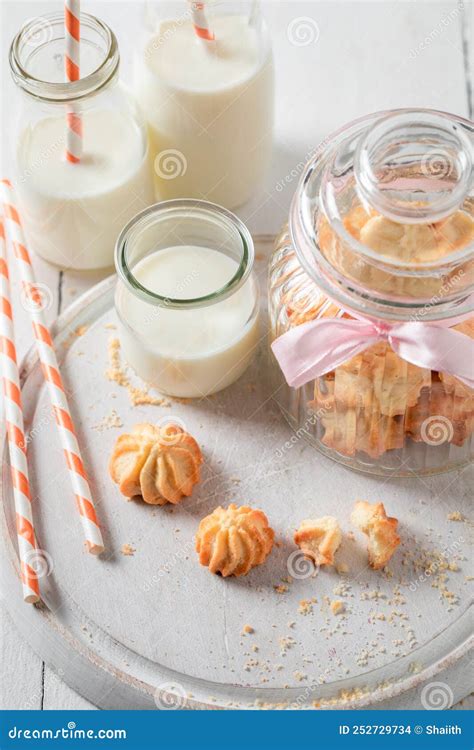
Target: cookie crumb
point(108, 422)
point(127, 550)
point(285, 644)
point(337, 607)
point(247, 629)
point(116, 373)
point(456, 515)
point(299, 676)
point(305, 607)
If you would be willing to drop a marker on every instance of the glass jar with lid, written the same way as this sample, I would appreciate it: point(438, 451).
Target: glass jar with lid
point(74, 210)
point(204, 79)
point(371, 295)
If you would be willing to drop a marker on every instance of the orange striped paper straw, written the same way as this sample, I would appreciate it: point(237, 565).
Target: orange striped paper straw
point(49, 365)
point(25, 530)
point(200, 22)
point(72, 59)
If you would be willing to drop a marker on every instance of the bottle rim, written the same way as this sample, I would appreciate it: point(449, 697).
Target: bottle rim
point(188, 208)
point(67, 91)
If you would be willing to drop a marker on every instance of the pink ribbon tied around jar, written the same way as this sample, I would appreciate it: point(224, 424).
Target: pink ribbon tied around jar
point(312, 349)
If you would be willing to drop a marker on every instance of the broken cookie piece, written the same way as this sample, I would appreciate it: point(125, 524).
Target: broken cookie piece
point(319, 539)
point(381, 531)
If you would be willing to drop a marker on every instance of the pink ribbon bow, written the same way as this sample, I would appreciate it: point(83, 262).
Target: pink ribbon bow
point(315, 348)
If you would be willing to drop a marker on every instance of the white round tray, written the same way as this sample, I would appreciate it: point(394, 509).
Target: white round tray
point(156, 629)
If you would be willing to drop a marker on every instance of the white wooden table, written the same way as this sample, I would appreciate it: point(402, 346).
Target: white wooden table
point(367, 56)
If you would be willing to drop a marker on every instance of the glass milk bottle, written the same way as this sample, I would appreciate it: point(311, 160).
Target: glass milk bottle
point(73, 212)
point(372, 284)
point(186, 298)
point(204, 79)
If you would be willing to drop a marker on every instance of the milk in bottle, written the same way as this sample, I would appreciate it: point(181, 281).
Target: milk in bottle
point(209, 106)
point(73, 212)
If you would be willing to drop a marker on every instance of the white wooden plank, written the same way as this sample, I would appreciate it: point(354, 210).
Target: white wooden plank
point(21, 683)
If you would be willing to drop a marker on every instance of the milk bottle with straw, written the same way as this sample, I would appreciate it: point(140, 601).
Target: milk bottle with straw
point(204, 79)
point(82, 167)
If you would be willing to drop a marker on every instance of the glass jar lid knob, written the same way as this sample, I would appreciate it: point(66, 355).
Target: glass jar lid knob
point(415, 167)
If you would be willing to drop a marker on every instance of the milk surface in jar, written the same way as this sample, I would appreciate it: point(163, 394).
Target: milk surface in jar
point(208, 104)
point(188, 312)
point(74, 211)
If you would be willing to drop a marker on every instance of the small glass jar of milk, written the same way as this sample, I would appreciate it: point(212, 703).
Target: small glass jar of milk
point(186, 298)
point(73, 212)
point(208, 102)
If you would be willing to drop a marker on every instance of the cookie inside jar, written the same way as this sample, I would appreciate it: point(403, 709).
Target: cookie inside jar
point(381, 233)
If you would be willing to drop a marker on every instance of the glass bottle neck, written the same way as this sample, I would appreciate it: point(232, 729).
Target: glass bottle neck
point(37, 59)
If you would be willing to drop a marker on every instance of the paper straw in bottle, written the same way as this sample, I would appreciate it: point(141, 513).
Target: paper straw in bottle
point(49, 365)
point(72, 59)
point(200, 22)
point(28, 553)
